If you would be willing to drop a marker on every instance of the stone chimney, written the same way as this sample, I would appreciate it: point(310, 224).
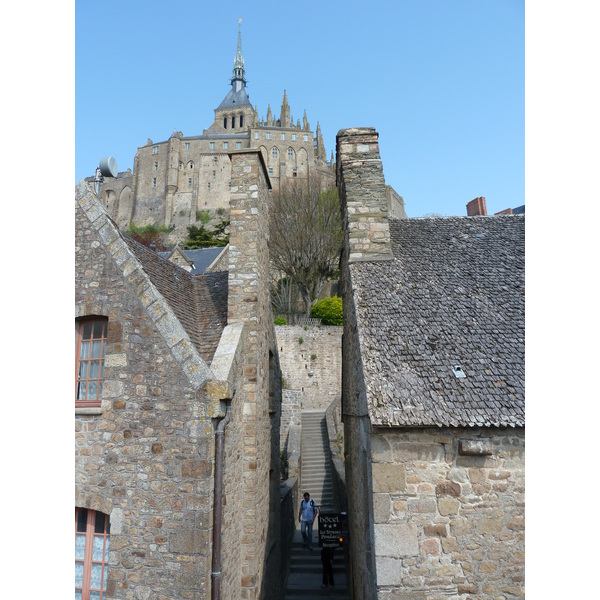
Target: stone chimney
point(476, 208)
point(506, 211)
point(363, 197)
point(249, 237)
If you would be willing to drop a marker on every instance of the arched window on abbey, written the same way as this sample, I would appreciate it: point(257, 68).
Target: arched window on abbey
point(275, 152)
point(233, 122)
point(191, 164)
point(290, 154)
point(241, 120)
point(225, 122)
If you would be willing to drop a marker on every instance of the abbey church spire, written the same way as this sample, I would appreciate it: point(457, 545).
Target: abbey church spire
point(237, 96)
point(238, 80)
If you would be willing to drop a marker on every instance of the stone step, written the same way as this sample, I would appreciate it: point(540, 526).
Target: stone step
point(313, 472)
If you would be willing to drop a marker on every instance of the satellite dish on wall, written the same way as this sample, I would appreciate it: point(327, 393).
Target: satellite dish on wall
point(108, 166)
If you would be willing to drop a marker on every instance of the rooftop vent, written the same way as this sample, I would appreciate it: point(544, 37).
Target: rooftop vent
point(458, 372)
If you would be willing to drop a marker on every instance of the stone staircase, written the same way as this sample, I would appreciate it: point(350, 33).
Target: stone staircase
point(305, 577)
point(315, 460)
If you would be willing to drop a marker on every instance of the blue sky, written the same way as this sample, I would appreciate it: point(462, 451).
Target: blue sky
point(443, 82)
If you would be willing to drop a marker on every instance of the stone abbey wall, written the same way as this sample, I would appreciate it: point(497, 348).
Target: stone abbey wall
point(173, 180)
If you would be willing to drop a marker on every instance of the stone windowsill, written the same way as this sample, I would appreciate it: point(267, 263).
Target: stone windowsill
point(88, 410)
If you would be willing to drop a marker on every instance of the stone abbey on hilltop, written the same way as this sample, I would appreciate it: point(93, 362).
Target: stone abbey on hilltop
point(173, 180)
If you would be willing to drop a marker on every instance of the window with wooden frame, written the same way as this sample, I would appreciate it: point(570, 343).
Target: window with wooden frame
point(92, 537)
point(89, 364)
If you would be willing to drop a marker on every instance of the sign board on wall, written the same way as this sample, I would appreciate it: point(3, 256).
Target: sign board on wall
point(333, 529)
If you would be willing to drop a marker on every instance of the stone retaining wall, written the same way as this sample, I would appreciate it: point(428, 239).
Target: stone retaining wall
point(311, 362)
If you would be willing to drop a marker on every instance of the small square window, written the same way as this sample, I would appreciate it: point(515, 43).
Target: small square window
point(238, 145)
point(268, 135)
point(189, 182)
point(293, 137)
point(306, 137)
point(225, 145)
point(256, 135)
point(271, 171)
point(187, 145)
point(156, 166)
point(155, 150)
point(211, 145)
point(283, 136)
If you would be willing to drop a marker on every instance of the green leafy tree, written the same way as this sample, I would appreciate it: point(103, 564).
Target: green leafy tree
point(200, 237)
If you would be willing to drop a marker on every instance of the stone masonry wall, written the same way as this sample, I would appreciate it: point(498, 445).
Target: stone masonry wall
point(291, 414)
point(449, 513)
point(255, 504)
point(313, 366)
point(144, 457)
point(311, 370)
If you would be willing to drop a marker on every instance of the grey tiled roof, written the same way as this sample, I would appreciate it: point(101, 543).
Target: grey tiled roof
point(202, 258)
point(199, 302)
point(452, 295)
point(235, 99)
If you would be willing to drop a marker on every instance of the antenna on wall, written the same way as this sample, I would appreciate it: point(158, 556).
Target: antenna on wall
point(107, 168)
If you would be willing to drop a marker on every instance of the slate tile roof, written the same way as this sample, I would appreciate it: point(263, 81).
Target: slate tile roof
point(198, 301)
point(452, 295)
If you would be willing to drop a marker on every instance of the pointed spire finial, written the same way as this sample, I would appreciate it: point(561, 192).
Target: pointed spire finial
point(238, 63)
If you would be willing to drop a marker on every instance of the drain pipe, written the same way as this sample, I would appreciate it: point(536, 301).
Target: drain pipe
point(218, 506)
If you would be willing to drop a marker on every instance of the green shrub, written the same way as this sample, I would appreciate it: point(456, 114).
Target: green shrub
point(329, 310)
point(301, 340)
point(280, 321)
point(203, 216)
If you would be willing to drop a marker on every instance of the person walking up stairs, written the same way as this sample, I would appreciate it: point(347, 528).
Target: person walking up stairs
point(305, 577)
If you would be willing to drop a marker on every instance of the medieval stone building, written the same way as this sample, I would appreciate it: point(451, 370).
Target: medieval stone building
point(432, 394)
point(174, 179)
point(177, 396)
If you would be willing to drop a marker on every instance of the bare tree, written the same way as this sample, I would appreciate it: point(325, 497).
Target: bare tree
point(306, 235)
